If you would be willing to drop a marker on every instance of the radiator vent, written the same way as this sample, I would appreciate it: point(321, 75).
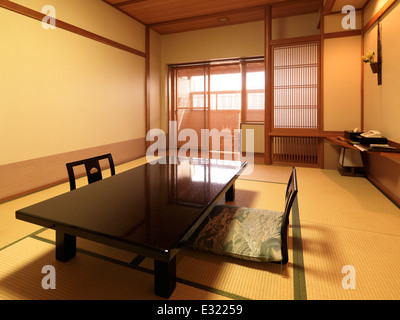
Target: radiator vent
point(300, 151)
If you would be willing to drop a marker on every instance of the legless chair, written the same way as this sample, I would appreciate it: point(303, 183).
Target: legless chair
point(92, 166)
point(246, 233)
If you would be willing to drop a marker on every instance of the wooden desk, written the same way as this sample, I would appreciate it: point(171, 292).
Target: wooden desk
point(390, 155)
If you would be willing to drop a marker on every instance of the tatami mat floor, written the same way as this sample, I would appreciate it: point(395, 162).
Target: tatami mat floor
point(343, 221)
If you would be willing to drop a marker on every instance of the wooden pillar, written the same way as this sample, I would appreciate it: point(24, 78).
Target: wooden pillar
point(268, 85)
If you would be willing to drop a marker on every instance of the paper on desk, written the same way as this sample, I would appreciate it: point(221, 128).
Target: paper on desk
point(361, 147)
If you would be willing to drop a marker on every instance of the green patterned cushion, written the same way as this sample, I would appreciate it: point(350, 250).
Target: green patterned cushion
point(250, 234)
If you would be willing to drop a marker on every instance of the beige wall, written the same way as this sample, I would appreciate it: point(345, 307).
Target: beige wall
point(382, 103)
point(97, 17)
point(61, 92)
point(240, 40)
point(341, 76)
point(342, 83)
point(258, 131)
point(295, 26)
point(333, 22)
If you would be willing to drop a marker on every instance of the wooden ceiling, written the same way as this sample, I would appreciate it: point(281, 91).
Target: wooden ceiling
point(171, 16)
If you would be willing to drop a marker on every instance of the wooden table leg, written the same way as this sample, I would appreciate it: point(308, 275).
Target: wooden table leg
point(164, 277)
point(65, 246)
point(230, 194)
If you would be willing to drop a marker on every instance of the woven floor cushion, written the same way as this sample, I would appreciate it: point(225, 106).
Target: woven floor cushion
point(245, 233)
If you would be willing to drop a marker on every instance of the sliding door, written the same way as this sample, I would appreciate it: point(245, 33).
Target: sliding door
point(190, 103)
point(216, 97)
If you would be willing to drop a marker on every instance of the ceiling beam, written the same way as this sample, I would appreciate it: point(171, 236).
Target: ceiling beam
point(124, 3)
point(328, 7)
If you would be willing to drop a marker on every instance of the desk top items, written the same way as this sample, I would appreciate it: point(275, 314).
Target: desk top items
point(371, 140)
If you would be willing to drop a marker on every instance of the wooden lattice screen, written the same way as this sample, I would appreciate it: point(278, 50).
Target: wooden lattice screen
point(295, 104)
point(302, 151)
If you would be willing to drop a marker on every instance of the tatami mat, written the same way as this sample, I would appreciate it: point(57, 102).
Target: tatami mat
point(258, 194)
point(346, 221)
point(349, 202)
point(340, 221)
point(266, 173)
point(375, 258)
point(83, 278)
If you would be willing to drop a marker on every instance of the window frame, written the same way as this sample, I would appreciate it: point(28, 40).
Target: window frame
point(207, 65)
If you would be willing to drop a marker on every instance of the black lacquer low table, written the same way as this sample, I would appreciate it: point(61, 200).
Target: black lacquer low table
point(150, 210)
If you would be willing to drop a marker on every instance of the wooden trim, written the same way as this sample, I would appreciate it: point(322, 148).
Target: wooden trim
point(243, 111)
point(342, 34)
point(147, 82)
point(207, 97)
point(328, 7)
point(268, 84)
point(14, 7)
point(252, 123)
point(365, 4)
point(340, 12)
point(321, 67)
point(362, 76)
point(220, 62)
point(385, 8)
point(25, 177)
point(295, 40)
point(124, 3)
point(304, 133)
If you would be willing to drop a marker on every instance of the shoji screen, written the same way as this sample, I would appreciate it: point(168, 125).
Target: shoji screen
point(295, 104)
point(296, 86)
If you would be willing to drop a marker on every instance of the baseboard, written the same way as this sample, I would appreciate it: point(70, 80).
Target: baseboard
point(25, 177)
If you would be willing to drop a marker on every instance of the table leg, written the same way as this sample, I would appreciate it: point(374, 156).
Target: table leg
point(230, 194)
point(65, 246)
point(164, 277)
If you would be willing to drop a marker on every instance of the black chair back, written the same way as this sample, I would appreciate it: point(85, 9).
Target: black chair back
point(92, 167)
point(291, 193)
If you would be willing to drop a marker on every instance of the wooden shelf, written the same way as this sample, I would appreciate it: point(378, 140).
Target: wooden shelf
point(336, 140)
point(347, 144)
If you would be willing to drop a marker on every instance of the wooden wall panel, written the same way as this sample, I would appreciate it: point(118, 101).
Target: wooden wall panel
point(21, 178)
point(384, 173)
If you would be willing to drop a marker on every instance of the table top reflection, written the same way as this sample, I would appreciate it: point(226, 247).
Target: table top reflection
point(157, 205)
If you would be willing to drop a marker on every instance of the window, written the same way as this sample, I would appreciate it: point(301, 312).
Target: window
point(255, 91)
point(218, 95)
